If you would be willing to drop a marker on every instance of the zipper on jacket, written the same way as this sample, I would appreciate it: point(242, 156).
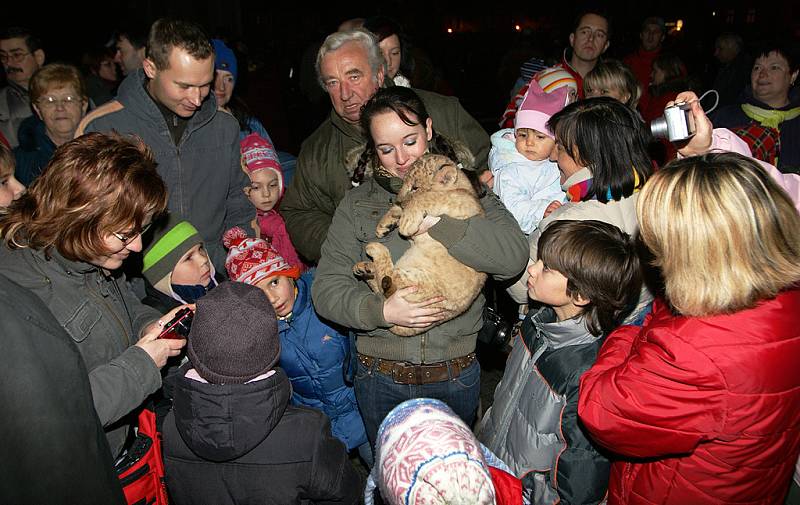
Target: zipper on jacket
point(516, 393)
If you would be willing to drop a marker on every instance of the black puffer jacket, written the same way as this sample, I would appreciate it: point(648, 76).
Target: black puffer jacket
point(242, 443)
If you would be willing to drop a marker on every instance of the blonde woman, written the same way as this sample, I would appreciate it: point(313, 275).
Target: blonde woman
point(702, 404)
point(615, 79)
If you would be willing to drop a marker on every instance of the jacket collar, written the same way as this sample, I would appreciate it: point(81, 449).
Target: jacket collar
point(584, 174)
point(302, 300)
point(559, 334)
point(69, 266)
point(32, 135)
point(135, 98)
point(794, 100)
point(348, 129)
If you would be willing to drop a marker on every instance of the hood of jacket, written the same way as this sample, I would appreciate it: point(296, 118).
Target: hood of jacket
point(135, 98)
point(221, 422)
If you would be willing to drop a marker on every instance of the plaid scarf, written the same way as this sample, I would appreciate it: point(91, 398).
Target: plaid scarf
point(764, 141)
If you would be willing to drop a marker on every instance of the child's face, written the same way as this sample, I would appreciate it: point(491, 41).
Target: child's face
point(264, 190)
point(280, 291)
point(533, 144)
point(193, 268)
point(550, 288)
point(606, 89)
point(10, 187)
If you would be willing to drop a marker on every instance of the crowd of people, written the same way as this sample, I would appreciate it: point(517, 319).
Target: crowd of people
point(656, 281)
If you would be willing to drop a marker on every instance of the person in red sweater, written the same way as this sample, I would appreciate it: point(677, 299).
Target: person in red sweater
point(652, 36)
point(701, 405)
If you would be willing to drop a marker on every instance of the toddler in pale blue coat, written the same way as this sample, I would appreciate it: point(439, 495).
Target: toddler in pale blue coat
point(526, 181)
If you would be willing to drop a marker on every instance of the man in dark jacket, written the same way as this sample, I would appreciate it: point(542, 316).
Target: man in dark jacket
point(54, 449)
point(350, 68)
point(168, 105)
point(232, 436)
point(22, 55)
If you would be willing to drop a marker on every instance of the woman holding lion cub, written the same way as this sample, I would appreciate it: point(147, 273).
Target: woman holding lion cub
point(439, 362)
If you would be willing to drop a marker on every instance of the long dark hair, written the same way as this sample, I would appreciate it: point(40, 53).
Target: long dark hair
point(241, 112)
point(608, 138)
point(384, 27)
point(411, 110)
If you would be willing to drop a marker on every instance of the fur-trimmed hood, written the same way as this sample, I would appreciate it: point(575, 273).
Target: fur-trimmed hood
point(464, 155)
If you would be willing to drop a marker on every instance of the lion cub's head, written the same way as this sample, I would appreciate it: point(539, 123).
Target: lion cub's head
point(433, 172)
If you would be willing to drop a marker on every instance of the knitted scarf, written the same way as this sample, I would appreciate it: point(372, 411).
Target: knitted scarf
point(770, 118)
point(578, 191)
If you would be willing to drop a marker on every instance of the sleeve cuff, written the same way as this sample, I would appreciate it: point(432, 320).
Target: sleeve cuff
point(448, 231)
point(370, 312)
point(140, 363)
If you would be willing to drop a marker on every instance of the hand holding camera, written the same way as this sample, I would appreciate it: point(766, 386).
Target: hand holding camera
point(180, 325)
point(699, 142)
point(162, 348)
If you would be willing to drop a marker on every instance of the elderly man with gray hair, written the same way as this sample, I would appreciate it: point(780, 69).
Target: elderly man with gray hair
point(350, 68)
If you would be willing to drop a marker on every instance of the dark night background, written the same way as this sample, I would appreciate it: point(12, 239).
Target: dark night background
point(478, 62)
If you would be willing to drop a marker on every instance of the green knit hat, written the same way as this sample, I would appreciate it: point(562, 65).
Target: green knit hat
point(171, 241)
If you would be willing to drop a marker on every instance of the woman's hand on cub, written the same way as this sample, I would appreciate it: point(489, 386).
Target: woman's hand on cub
point(399, 311)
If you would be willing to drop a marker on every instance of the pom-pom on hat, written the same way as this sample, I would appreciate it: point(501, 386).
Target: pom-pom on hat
point(251, 260)
point(551, 79)
point(234, 335)
point(258, 153)
point(224, 59)
point(538, 106)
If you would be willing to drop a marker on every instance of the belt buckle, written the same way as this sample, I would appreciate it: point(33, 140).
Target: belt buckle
point(403, 373)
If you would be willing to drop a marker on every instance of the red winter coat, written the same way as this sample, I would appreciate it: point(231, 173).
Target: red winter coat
point(712, 403)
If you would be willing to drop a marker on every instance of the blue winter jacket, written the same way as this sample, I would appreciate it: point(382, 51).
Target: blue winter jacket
point(314, 356)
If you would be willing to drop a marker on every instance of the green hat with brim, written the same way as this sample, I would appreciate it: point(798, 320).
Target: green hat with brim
point(170, 243)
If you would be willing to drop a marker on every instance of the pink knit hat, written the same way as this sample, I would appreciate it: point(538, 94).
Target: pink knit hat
point(258, 153)
point(251, 260)
point(538, 106)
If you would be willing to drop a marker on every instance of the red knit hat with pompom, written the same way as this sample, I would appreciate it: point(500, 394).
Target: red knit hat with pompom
point(251, 260)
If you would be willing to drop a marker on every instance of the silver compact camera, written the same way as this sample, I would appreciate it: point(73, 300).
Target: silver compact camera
point(676, 124)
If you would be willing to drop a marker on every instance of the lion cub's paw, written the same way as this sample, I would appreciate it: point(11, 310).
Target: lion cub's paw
point(409, 223)
point(389, 221)
point(364, 269)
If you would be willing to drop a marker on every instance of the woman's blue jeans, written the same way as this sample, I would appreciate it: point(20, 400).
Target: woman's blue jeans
point(377, 394)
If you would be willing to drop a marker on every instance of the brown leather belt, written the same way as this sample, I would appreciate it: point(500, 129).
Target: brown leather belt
point(408, 373)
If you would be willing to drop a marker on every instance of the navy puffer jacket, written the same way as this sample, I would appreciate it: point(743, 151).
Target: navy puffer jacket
point(314, 356)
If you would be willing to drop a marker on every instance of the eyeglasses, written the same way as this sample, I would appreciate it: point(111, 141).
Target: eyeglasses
point(14, 57)
point(51, 102)
point(127, 238)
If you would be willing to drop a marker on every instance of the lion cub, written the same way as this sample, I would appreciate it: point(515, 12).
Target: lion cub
point(434, 186)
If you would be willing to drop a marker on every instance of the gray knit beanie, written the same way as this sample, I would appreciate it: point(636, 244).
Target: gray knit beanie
point(234, 335)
